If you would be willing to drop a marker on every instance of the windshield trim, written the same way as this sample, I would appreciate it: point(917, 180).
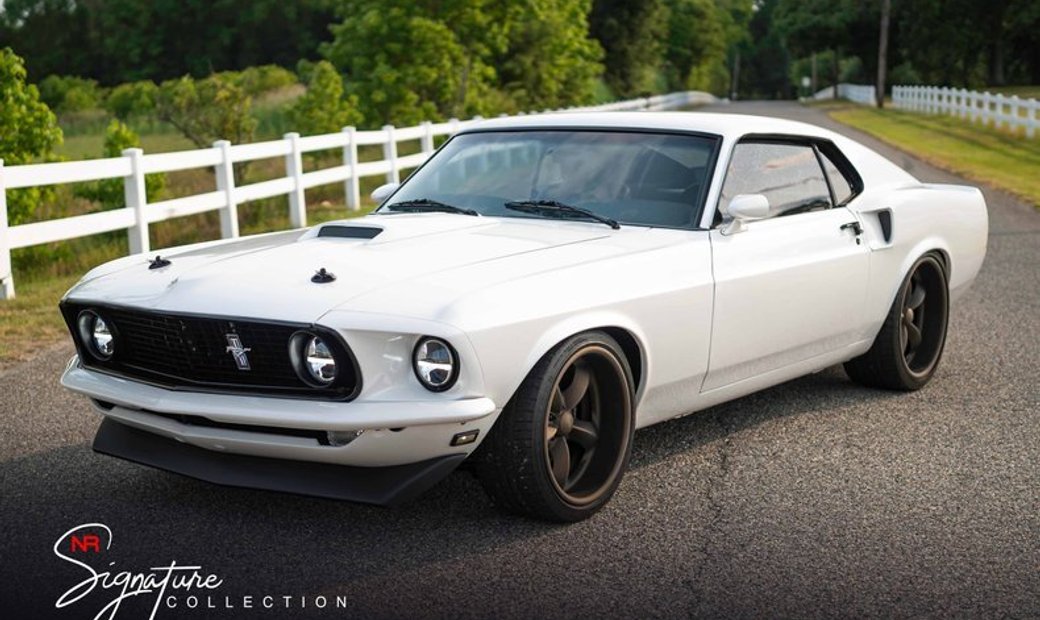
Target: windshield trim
point(713, 158)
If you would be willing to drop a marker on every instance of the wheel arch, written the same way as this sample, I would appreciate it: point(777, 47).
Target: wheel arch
point(627, 334)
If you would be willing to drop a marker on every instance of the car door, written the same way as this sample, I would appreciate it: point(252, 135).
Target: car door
point(789, 287)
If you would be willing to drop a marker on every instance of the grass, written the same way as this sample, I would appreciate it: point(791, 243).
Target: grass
point(1024, 92)
point(32, 319)
point(983, 154)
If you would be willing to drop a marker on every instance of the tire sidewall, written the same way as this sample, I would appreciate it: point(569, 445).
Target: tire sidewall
point(910, 379)
point(556, 361)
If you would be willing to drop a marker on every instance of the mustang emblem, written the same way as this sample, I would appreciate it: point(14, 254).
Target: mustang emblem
point(239, 352)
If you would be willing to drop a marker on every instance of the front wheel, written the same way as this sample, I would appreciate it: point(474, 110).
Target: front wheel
point(907, 350)
point(562, 443)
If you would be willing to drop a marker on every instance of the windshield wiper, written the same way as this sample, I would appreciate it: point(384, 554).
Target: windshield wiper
point(555, 208)
point(426, 205)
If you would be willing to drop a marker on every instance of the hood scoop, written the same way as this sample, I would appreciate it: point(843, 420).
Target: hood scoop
point(349, 232)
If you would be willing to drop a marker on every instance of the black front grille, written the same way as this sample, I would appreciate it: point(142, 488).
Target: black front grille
point(185, 351)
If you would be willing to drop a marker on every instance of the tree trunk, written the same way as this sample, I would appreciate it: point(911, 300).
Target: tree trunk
point(835, 72)
point(882, 53)
point(996, 62)
point(814, 81)
point(735, 81)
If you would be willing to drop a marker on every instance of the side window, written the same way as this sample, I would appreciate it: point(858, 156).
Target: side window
point(839, 184)
point(788, 175)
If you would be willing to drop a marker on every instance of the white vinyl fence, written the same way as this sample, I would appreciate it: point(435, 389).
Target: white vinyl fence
point(857, 93)
point(138, 214)
point(997, 110)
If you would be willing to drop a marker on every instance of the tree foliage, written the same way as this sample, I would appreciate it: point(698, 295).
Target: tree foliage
point(132, 99)
point(631, 33)
point(67, 94)
point(109, 192)
point(324, 108)
point(206, 110)
point(696, 44)
point(116, 41)
point(410, 61)
point(28, 132)
point(549, 61)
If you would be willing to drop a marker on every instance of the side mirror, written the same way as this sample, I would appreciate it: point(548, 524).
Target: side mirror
point(383, 192)
point(745, 208)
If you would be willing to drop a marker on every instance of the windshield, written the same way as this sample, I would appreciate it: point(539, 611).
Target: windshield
point(643, 179)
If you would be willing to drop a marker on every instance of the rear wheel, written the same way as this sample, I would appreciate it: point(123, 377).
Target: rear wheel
point(908, 348)
point(562, 443)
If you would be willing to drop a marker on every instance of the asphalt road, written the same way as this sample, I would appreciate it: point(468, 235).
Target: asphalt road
point(813, 499)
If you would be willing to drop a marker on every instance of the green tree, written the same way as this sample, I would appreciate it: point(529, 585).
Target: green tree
point(132, 99)
point(109, 192)
point(550, 61)
point(206, 110)
point(810, 26)
point(631, 33)
point(324, 108)
point(66, 93)
point(28, 132)
point(696, 44)
point(405, 61)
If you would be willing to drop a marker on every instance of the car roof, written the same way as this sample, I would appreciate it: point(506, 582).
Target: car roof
point(727, 125)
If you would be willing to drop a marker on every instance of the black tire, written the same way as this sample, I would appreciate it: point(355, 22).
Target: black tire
point(553, 459)
point(907, 350)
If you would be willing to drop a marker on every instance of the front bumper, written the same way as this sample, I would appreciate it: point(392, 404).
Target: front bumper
point(383, 485)
point(395, 432)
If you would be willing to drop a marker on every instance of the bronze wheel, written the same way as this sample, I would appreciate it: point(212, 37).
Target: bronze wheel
point(560, 447)
point(908, 348)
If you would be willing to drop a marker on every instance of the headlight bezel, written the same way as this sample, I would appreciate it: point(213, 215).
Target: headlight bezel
point(456, 364)
point(344, 360)
point(86, 322)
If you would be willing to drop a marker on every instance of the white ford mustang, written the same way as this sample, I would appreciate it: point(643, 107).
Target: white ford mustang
point(538, 290)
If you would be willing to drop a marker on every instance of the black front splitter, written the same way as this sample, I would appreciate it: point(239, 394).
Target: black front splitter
point(384, 486)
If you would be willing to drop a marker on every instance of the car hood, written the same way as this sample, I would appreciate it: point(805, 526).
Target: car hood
point(269, 276)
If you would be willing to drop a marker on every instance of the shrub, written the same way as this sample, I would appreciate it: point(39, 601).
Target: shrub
point(132, 99)
point(109, 192)
point(323, 108)
point(67, 94)
point(28, 132)
point(206, 110)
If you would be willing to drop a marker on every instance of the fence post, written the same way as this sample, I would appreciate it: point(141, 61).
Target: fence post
point(294, 170)
point(390, 155)
point(454, 123)
point(350, 159)
point(1015, 119)
point(136, 198)
point(225, 172)
point(1031, 118)
point(426, 142)
point(6, 277)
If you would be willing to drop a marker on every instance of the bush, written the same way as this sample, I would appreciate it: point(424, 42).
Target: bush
point(67, 94)
point(109, 192)
point(256, 81)
point(323, 108)
point(206, 110)
point(132, 99)
point(28, 132)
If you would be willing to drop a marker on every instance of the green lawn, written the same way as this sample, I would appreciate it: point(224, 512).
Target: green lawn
point(982, 154)
point(1024, 92)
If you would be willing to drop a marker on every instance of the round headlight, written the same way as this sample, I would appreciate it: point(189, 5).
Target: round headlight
point(436, 364)
point(96, 334)
point(319, 362)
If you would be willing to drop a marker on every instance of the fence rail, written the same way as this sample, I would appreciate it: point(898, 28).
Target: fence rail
point(997, 110)
point(857, 93)
point(138, 214)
